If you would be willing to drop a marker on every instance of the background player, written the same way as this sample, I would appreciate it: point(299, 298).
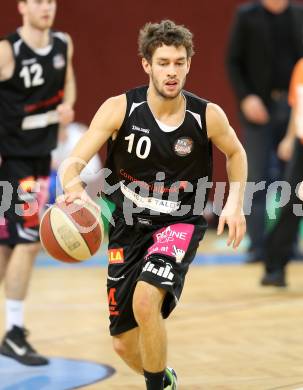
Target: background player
point(160, 147)
point(37, 93)
point(280, 239)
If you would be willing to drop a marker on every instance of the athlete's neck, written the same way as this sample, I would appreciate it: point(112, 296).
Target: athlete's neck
point(35, 38)
point(165, 109)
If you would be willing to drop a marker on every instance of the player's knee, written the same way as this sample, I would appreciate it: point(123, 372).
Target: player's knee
point(146, 306)
point(142, 311)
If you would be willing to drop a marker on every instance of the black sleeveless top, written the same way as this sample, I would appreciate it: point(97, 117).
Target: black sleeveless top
point(28, 100)
point(161, 172)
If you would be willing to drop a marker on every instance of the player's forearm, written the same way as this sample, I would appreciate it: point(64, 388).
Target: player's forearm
point(70, 176)
point(295, 122)
point(70, 90)
point(236, 167)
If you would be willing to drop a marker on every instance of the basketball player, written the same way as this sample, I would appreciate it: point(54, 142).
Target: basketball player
point(160, 140)
point(37, 93)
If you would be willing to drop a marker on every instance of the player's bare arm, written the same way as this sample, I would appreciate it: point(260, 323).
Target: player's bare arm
point(286, 146)
point(65, 110)
point(7, 62)
point(225, 139)
point(104, 125)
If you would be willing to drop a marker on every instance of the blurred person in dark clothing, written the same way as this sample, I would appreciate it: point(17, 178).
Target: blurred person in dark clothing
point(280, 239)
point(265, 44)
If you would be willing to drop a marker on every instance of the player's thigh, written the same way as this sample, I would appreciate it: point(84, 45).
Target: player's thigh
point(5, 253)
point(169, 258)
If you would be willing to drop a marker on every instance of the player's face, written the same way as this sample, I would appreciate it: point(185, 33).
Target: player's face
point(168, 69)
point(39, 14)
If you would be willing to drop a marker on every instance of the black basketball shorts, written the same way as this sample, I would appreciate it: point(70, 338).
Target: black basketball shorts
point(24, 185)
point(157, 253)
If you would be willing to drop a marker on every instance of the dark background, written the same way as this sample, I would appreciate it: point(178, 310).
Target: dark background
point(105, 39)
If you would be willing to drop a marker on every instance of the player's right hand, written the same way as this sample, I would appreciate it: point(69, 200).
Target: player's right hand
point(235, 220)
point(82, 196)
point(254, 110)
point(285, 148)
point(66, 113)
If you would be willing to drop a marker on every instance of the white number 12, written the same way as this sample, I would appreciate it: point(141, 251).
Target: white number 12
point(36, 71)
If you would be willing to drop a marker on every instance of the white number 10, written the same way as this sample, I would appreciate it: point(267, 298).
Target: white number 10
point(143, 143)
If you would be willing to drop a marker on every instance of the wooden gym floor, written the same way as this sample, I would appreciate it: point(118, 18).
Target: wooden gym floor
point(227, 333)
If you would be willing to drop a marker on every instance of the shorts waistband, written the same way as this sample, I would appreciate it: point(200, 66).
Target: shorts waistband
point(153, 220)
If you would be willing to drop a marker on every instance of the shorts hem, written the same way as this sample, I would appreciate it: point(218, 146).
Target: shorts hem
point(122, 329)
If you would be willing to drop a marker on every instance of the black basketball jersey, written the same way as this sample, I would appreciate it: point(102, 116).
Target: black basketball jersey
point(28, 100)
point(160, 170)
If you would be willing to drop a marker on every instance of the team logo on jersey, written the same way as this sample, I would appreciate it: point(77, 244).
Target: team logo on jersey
point(183, 146)
point(59, 61)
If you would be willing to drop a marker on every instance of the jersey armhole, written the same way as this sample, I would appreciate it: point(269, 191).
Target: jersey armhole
point(204, 123)
point(128, 107)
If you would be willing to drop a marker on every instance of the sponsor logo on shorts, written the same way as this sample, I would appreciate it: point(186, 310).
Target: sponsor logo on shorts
point(116, 256)
point(112, 303)
point(164, 272)
point(178, 253)
point(183, 146)
point(172, 241)
point(4, 233)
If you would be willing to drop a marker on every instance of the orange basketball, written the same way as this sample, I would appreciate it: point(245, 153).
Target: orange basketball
point(71, 232)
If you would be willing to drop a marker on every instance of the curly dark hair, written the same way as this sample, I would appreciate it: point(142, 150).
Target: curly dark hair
point(154, 35)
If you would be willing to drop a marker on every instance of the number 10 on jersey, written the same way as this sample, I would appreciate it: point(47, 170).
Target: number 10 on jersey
point(143, 145)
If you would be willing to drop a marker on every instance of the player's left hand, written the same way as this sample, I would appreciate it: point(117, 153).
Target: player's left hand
point(235, 220)
point(66, 113)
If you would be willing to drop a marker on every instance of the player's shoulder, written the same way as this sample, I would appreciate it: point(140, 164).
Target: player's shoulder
point(6, 52)
point(116, 100)
point(215, 116)
point(192, 96)
point(115, 105)
point(61, 36)
point(299, 63)
point(194, 103)
point(298, 69)
point(10, 43)
point(112, 112)
point(5, 46)
point(137, 94)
